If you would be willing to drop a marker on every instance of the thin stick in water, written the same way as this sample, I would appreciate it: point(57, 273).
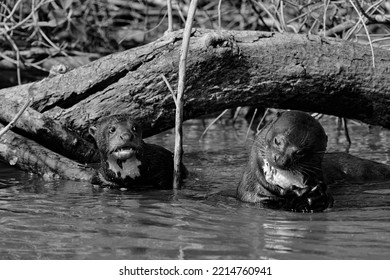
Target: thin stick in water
point(261, 121)
point(213, 122)
point(180, 91)
point(250, 124)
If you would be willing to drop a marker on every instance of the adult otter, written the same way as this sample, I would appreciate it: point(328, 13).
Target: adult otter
point(288, 167)
point(284, 168)
point(126, 160)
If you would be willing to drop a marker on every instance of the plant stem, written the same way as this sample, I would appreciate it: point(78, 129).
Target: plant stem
point(170, 17)
point(179, 98)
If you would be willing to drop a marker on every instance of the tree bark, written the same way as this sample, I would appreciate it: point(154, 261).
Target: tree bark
point(30, 156)
point(45, 130)
point(225, 69)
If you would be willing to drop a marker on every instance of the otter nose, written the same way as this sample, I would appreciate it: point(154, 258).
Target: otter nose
point(281, 161)
point(127, 136)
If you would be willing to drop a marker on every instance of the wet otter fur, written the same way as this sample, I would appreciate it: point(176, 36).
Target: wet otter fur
point(289, 169)
point(126, 160)
point(284, 167)
point(346, 168)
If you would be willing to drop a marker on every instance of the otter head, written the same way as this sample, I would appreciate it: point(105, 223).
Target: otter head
point(295, 142)
point(118, 137)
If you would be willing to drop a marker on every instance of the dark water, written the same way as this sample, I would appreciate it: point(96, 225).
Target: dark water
point(70, 220)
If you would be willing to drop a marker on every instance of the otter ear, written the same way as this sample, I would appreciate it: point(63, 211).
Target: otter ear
point(92, 131)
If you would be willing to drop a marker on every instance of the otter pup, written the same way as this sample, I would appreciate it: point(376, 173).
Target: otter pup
point(126, 160)
point(284, 168)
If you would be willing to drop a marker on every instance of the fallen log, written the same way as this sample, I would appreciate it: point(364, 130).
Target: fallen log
point(225, 69)
point(30, 156)
point(47, 131)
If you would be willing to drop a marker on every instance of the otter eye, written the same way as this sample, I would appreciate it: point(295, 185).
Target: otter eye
point(300, 152)
point(112, 129)
point(277, 142)
point(134, 129)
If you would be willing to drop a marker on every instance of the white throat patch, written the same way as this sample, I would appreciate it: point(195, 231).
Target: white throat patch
point(282, 178)
point(129, 168)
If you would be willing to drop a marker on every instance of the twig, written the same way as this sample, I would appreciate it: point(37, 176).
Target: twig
point(146, 20)
point(35, 23)
point(20, 23)
point(170, 17)
point(375, 18)
point(261, 121)
point(180, 13)
point(368, 34)
point(355, 29)
point(303, 23)
point(49, 41)
point(250, 124)
point(339, 28)
point(3, 9)
point(5, 57)
point(15, 119)
point(13, 11)
point(180, 91)
point(213, 122)
point(16, 49)
point(147, 31)
point(297, 17)
point(381, 39)
point(347, 132)
point(170, 88)
point(259, 15)
point(237, 111)
point(219, 14)
point(314, 26)
point(271, 16)
point(283, 23)
point(326, 5)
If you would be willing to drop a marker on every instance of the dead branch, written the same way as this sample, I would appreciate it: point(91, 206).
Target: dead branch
point(225, 69)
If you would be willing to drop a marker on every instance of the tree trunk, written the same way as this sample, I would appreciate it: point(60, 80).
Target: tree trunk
point(225, 69)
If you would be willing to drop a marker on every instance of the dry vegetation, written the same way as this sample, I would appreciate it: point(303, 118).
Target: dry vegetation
point(36, 35)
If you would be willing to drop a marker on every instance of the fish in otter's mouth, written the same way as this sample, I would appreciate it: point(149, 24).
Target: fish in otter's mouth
point(282, 178)
point(124, 152)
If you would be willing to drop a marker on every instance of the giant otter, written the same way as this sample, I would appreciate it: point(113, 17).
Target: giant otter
point(126, 160)
point(289, 169)
point(284, 168)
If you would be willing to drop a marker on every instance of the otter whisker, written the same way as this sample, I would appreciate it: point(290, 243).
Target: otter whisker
point(310, 166)
point(308, 171)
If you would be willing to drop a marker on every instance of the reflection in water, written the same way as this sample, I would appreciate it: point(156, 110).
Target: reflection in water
point(71, 220)
point(279, 238)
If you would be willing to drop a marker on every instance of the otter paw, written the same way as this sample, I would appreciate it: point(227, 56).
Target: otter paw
point(310, 199)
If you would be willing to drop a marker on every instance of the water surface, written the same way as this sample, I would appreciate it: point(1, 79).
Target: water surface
point(71, 220)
